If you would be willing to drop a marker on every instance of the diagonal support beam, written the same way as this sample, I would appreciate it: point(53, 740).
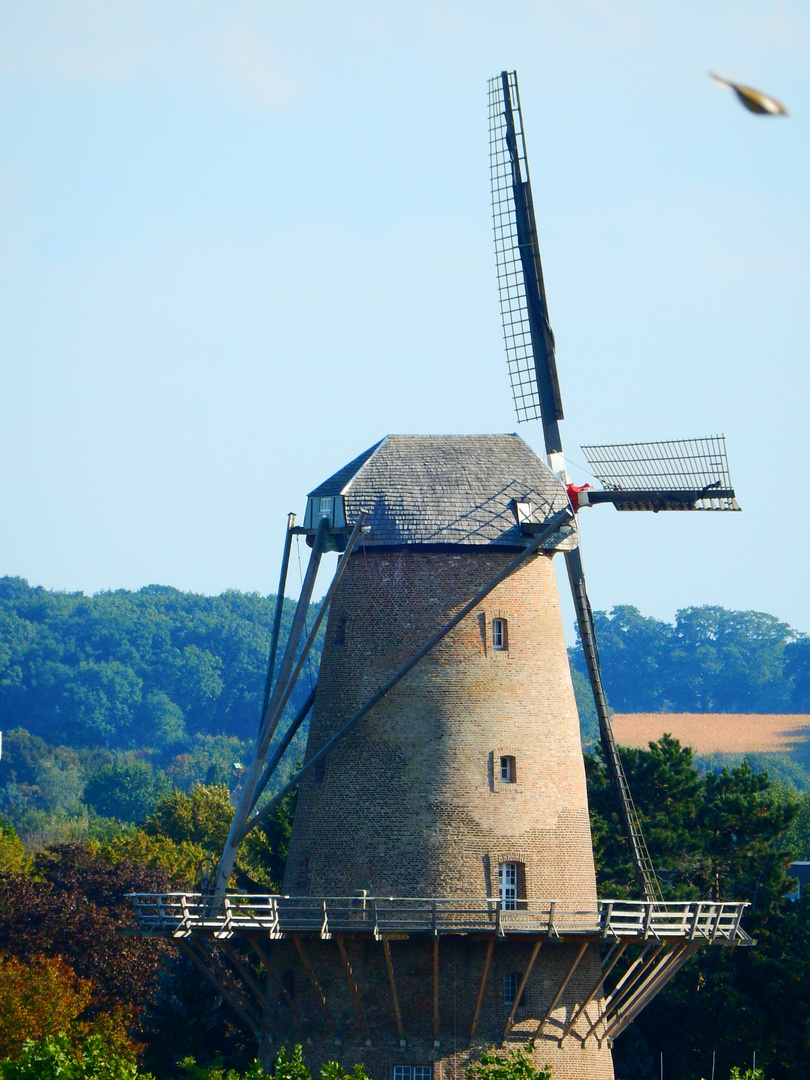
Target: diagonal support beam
point(561, 991)
point(289, 735)
point(626, 983)
point(352, 984)
point(642, 863)
point(245, 975)
point(315, 984)
point(511, 1021)
point(262, 740)
point(556, 524)
point(241, 1008)
point(648, 989)
point(611, 961)
point(282, 692)
point(282, 585)
point(282, 989)
point(395, 999)
point(482, 986)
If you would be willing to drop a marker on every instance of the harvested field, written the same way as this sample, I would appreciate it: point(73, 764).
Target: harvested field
point(713, 733)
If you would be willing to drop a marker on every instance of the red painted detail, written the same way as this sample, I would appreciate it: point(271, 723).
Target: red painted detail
point(573, 494)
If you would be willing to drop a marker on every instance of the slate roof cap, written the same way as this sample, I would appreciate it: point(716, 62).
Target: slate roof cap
point(441, 490)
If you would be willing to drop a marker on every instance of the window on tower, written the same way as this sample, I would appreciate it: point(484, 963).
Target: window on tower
point(511, 981)
point(508, 885)
point(499, 638)
point(413, 1072)
point(508, 772)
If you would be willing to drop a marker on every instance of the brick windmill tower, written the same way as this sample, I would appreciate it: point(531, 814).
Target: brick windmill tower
point(439, 893)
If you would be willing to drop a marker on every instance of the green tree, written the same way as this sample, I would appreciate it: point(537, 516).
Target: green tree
point(126, 789)
point(54, 1058)
point(717, 836)
point(514, 1065)
point(204, 816)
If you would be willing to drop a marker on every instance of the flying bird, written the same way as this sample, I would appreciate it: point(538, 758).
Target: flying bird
point(754, 100)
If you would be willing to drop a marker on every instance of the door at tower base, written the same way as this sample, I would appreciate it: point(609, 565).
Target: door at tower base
point(340, 1033)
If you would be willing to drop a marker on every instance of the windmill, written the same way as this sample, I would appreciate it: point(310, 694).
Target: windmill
point(688, 474)
point(439, 893)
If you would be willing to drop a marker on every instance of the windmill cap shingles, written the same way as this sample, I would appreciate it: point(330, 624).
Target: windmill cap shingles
point(440, 490)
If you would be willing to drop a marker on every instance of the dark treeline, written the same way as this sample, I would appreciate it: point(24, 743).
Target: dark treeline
point(709, 660)
point(718, 836)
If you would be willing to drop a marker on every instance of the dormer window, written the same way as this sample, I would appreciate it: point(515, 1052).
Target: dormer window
point(499, 633)
point(326, 508)
point(523, 512)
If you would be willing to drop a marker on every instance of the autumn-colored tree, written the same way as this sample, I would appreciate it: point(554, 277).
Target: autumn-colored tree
point(40, 997)
point(12, 853)
point(181, 860)
point(73, 906)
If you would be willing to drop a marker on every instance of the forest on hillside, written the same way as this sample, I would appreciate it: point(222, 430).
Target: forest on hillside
point(109, 702)
point(709, 659)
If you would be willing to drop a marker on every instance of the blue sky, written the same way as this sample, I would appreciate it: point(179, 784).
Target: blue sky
point(240, 242)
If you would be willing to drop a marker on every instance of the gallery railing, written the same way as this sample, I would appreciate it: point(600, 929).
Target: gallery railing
point(181, 914)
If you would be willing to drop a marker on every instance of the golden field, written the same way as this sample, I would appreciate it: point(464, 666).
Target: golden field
point(712, 733)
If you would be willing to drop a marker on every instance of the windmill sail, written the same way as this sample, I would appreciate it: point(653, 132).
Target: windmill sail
point(536, 390)
point(681, 474)
point(527, 332)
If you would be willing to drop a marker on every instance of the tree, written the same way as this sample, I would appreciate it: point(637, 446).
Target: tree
point(203, 818)
point(709, 660)
point(55, 1058)
point(515, 1065)
point(40, 997)
point(12, 854)
point(126, 789)
point(73, 906)
point(720, 836)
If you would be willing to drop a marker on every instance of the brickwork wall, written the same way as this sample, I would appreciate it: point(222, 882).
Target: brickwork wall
point(411, 803)
point(461, 966)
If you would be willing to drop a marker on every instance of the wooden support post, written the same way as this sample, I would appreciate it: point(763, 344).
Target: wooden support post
point(390, 967)
point(649, 987)
point(611, 960)
point(622, 985)
point(246, 976)
point(315, 986)
point(279, 984)
point(242, 1009)
point(352, 984)
point(482, 986)
point(510, 1022)
point(625, 989)
point(435, 986)
point(539, 1030)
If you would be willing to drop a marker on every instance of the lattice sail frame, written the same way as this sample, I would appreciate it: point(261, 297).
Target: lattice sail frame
point(511, 285)
point(670, 465)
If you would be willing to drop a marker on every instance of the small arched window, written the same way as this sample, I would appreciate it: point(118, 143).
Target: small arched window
point(499, 637)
